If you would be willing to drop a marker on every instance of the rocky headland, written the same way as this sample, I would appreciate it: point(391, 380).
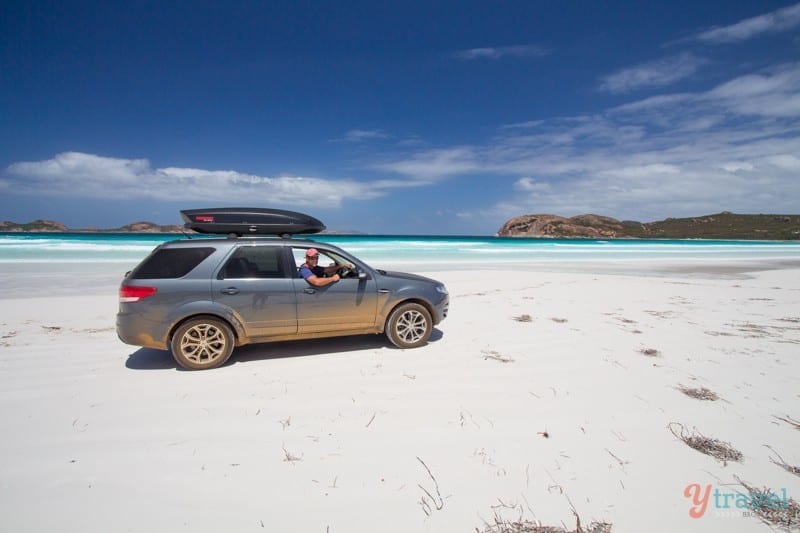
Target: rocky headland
point(725, 225)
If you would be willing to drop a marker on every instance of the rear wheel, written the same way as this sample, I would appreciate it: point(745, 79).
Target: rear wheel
point(202, 343)
point(409, 326)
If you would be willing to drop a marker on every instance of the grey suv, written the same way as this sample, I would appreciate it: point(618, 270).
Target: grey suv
point(200, 298)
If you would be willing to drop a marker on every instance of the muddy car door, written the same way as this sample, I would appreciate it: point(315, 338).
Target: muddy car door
point(350, 304)
point(255, 282)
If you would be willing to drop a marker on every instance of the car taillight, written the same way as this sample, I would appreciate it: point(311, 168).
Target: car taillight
point(134, 293)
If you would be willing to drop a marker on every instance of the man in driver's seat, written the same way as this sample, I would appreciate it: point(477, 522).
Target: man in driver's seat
point(315, 274)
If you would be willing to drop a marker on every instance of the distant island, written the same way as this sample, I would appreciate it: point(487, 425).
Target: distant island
point(725, 225)
point(50, 226)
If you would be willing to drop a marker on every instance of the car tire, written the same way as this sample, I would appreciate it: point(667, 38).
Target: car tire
point(202, 343)
point(409, 326)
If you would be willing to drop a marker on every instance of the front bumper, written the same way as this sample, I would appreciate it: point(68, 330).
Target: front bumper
point(441, 309)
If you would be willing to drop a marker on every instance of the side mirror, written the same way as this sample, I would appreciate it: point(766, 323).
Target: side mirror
point(362, 275)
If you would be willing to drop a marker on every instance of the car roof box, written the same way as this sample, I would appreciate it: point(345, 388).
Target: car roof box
point(249, 221)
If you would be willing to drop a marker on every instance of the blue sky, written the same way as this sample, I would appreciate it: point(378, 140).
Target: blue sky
point(398, 117)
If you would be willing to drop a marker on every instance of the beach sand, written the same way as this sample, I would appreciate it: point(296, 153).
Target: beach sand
point(542, 395)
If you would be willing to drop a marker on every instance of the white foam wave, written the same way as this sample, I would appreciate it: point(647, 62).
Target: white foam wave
point(436, 250)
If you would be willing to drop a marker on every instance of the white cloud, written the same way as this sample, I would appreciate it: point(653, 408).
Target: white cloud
point(772, 93)
point(692, 183)
point(777, 21)
point(658, 73)
point(653, 102)
point(736, 166)
point(651, 171)
point(364, 135)
point(788, 162)
point(434, 165)
point(73, 174)
point(530, 185)
point(501, 51)
point(775, 93)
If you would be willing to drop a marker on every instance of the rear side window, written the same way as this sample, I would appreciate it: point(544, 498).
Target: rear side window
point(262, 262)
point(170, 263)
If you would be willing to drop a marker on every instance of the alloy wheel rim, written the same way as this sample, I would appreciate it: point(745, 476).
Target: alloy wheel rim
point(411, 326)
point(203, 343)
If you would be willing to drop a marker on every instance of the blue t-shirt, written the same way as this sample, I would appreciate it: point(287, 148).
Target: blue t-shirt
point(307, 272)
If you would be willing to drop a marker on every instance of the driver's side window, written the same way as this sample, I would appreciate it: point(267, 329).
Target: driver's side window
point(300, 258)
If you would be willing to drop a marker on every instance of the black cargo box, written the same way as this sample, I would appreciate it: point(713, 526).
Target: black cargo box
point(249, 221)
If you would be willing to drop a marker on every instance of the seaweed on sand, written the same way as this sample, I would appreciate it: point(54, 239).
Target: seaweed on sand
point(782, 513)
point(722, 451)
point(783, 464)
point(699, 394)
point(526, 526)
point(789, 420)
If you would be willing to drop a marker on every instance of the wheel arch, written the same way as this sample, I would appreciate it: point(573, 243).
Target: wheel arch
point(235, 325)
point(413, 300)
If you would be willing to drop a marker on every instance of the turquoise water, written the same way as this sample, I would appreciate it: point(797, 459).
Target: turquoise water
point(417, 250)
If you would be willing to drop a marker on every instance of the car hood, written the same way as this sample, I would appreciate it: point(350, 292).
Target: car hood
point(406, 275)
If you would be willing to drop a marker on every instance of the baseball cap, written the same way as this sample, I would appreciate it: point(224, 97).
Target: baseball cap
point(312, 252)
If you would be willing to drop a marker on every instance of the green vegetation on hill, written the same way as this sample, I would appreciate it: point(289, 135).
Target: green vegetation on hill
point(724, 225)
point(721, 226)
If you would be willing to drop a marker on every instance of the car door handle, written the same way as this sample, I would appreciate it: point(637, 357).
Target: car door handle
point(230, 290)
point(310, 291)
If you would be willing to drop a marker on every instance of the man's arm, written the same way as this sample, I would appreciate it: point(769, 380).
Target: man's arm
point(317, 281)
point(336, 268)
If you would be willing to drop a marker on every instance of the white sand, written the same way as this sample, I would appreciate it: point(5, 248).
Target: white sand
point(332, 435)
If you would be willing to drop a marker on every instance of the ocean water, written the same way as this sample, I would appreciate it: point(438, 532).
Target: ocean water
point(429, 252)
point(46, 265)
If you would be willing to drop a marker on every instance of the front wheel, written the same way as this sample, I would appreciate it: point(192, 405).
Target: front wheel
point(409, 326)
point(202, 343)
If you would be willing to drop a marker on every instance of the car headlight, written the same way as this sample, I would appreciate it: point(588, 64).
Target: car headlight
point(442, 289)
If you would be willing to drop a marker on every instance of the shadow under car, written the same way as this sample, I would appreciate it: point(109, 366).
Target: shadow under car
point(152, 359)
